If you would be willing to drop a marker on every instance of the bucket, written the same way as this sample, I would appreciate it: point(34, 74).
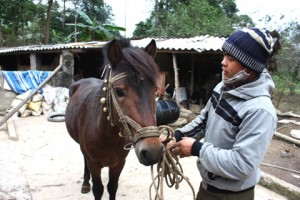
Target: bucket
point(167, 111)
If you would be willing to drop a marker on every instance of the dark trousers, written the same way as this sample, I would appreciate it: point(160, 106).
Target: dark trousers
point(216, 194)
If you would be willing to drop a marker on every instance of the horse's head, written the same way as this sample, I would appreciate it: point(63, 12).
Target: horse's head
point(131, 86)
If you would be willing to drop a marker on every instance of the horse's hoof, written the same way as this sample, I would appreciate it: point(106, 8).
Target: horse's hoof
point(85, 189)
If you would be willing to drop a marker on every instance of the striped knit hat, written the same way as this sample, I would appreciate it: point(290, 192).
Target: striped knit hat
point(251, 46)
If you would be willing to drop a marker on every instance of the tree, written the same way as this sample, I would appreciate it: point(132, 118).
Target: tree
point(16, 18)
point(95, 9)
point(288, 59)
point(24, 22)
point(93, 30)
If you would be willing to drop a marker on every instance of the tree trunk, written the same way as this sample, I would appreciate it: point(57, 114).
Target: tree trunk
point(47, 25)
point(156, 13)
point(23, 23)
point(1, 38)
point(64, 16)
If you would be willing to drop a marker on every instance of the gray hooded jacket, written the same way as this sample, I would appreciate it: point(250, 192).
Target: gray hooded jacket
point(239, 125)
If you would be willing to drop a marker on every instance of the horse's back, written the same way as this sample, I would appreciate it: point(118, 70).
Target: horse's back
point(84, 85)
point(83, 103)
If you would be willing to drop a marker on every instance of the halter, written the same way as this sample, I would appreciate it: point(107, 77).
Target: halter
point(110, 99)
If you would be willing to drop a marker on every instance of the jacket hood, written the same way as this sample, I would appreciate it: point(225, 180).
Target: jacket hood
point(263, 86)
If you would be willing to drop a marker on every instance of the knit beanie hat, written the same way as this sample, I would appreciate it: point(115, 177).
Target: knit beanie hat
point(251, 46)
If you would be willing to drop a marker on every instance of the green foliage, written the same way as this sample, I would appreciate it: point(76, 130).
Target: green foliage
point(192, 18)
point(95, 9)
point(22, 22)
point(283, 85)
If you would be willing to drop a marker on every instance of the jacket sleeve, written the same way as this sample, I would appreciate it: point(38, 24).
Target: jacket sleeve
point(196, 127)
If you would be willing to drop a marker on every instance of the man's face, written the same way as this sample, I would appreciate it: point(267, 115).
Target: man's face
point(230, 66)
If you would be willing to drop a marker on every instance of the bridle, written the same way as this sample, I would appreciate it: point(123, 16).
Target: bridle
point(167, 168)
point(110, 100)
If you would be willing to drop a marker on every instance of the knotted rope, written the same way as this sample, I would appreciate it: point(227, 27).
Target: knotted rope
point(168, 168)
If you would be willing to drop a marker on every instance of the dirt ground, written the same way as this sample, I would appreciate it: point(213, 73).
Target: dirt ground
point(285, 156)
point(45, 163)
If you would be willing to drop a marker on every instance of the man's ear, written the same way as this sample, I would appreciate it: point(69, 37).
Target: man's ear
point(249, 71)
point(253, 74)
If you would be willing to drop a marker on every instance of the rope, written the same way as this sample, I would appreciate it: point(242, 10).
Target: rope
point(168, 168)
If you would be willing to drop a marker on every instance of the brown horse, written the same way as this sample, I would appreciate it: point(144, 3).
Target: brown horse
point(109, 117)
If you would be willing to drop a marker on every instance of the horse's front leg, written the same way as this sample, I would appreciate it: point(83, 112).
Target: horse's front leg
point(114, 174)
point(86, 187)
point(97, 188)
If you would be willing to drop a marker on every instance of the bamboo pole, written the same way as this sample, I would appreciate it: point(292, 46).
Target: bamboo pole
point(13, 111)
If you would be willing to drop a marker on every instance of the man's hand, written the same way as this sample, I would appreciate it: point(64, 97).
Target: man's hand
point(183, 147)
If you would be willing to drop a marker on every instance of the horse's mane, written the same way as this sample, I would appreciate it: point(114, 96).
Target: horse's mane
point(136, 62)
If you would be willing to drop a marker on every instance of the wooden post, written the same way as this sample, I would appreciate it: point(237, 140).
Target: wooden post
point(176, 79)
point(192, 74)
point(11, 129)
point(33, 61)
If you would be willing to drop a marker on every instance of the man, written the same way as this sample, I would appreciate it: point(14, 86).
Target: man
point(238, 121)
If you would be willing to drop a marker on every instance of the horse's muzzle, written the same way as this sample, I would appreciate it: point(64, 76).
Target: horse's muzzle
point(149, 151)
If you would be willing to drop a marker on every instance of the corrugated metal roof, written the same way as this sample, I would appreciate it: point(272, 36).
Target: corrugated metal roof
point(78, 45)
point(199, 44)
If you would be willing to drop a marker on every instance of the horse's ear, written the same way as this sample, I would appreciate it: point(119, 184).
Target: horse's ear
point(151, 48)
point(114, 53)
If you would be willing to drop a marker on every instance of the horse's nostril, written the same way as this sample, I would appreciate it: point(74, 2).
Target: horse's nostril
point(144, 154)
point(151, 156)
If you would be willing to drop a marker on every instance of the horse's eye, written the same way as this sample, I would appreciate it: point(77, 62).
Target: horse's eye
point(119, 92)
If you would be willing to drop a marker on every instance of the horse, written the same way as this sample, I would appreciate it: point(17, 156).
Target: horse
point(108, 116)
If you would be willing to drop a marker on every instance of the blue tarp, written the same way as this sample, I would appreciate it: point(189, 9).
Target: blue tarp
point(22, 81)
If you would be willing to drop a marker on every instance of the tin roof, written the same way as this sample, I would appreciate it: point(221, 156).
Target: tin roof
point(198, 44)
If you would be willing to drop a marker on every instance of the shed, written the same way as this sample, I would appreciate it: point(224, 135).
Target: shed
point(193, 63)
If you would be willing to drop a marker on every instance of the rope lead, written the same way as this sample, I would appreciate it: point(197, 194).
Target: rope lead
point(168, 168)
